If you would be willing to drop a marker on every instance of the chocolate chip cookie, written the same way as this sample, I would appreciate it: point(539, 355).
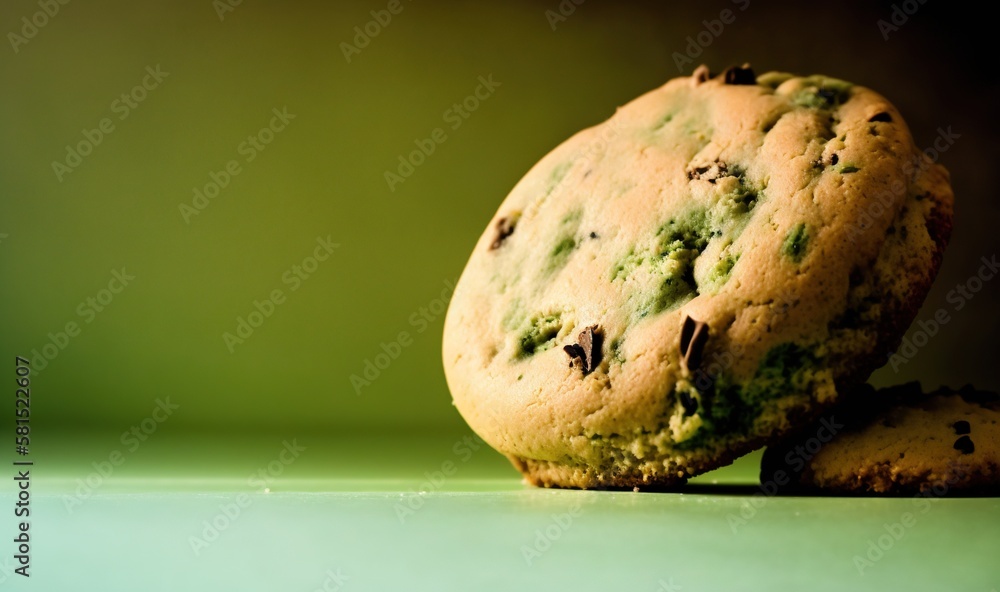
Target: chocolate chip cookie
point(895, 441)
point(693, 278)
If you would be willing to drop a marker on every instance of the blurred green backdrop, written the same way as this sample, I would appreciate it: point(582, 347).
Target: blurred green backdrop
point(215, 73)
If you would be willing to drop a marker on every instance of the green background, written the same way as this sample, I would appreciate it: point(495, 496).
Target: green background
point(324, 176)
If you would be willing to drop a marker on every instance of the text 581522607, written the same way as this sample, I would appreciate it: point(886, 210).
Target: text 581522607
point(22, 468)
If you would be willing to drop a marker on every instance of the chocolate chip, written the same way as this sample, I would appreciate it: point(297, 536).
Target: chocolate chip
point(593, 235)
point(701, 74)
point(740, 75)
point(965, 445)
point(883, 117)
point(687, 332)
point(575, 353)
point(588, 351)
point(505, 227)
point(962, 427)
point(834, 159)
point(694, 335)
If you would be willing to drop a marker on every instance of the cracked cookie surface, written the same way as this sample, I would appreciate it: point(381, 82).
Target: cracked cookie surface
point(792, 217)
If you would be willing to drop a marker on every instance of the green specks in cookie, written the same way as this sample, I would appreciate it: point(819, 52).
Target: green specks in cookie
point(566, 242)
point(617, 355)
point(663, 121)
point(727, 407)
point(572, 218)
point(629, 262)
point(796, 243)
point(742, 199)
point(557, 176)
point(719, 274)
point(659, 277)
point(563, 248)
point(539, 335)
point(560, 254)
point(848, 168)
point(685, 233)
point(670, 294)
point(782, 361)
point(822, 93)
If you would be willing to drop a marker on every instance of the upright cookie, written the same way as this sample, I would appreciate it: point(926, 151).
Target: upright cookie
point(693, 278)
point(896, 441)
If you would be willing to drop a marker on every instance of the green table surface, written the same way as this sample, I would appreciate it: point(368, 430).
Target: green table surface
point(427, 511)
